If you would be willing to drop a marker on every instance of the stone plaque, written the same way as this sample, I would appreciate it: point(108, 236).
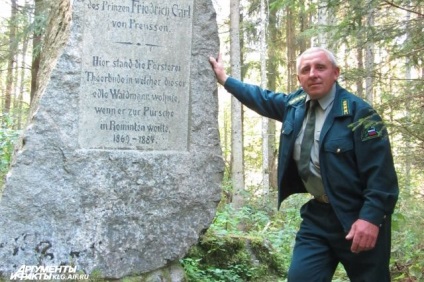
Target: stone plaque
point(119, 169)
point(135, 75)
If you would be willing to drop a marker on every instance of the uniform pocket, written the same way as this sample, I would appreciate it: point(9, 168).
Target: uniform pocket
point(338, 146)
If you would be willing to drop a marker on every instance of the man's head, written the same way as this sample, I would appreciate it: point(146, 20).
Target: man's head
point(317, 71)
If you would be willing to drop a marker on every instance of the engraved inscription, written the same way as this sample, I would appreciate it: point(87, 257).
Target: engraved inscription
point(135, 74)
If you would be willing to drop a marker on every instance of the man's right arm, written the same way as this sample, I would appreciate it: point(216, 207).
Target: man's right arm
point(264, 102)
point(218, 68)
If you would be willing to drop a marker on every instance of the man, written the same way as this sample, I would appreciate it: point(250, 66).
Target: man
point(347, 166)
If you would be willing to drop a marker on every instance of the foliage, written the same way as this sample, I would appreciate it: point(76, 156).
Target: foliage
point(407, 262)
point(38, 28)
point(8, 137)
point(250, 244)
point(225, 254)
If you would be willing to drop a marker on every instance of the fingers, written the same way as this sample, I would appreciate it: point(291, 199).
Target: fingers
point(362, 243)
point(351, 233)
point(218, 68)
point(212, 60)
point(363, 235)
point(215, 62)
point(356, 245)
point(219, 59)
point(355, 239)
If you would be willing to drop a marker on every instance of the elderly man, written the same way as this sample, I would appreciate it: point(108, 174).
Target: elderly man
point(334, 146)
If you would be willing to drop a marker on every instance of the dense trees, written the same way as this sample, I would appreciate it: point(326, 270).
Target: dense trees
point(22, 26)
point(379, 46)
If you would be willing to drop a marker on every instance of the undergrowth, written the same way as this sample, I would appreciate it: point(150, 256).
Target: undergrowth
point(255, 242)
point(8, 137)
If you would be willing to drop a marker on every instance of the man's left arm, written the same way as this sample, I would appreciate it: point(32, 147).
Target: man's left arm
point(377, 172)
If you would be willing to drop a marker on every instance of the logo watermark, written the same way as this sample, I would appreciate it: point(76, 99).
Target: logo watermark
point(28, 272)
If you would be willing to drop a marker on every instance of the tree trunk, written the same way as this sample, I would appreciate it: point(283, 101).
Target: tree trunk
point(272, 75)
point(369, 54)
point(237, 164)
point(265, 121)
point(322, 20)
point(359, 79)
point(20, 98)
point(291, 50)
point(304, 25)
point(11, 58)
point(36, 48)
point(409, 157)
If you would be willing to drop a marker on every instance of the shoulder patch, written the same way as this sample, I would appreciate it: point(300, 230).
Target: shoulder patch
point(299, 98)
point(345, 107)
point(371, 132)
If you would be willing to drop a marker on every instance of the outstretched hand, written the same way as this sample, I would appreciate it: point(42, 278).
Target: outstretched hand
point(218, 68)
point(363, 235)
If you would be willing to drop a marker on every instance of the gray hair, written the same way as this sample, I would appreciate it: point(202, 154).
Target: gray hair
point(327, 52)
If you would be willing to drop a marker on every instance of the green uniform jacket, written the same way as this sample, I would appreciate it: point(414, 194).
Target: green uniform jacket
point(354, 151)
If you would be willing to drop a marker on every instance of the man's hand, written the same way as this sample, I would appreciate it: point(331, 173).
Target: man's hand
point(363, 235)
point(218, 68)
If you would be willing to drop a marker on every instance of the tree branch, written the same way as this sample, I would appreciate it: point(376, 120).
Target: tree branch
point(402, 8)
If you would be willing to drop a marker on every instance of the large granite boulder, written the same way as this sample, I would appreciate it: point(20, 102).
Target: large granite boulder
point(119, 169)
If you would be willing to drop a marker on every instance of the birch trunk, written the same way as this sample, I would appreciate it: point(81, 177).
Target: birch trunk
point(265, 123)
point(237, 163)
point(11, 59)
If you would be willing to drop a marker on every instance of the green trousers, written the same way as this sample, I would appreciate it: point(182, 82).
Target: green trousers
point(321, 245)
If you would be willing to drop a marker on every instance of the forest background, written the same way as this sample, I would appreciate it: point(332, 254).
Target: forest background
point(380, 49)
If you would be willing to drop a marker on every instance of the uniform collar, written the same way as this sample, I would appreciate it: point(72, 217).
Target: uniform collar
point(327, 99)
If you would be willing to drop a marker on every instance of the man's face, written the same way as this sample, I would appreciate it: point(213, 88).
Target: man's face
point(317, 74)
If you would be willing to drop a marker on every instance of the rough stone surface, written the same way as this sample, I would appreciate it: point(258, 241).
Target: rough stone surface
point(77, 194)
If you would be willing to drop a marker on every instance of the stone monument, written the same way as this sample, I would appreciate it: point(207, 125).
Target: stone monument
point(119, 169)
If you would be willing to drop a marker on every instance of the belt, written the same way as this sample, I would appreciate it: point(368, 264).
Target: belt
point(323, 199)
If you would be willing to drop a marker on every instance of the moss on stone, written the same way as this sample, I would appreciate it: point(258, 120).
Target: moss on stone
point(248, 258)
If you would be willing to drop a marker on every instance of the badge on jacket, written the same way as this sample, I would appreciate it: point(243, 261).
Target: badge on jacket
point(372, 132)
point(345, 107)
point(299, 98)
